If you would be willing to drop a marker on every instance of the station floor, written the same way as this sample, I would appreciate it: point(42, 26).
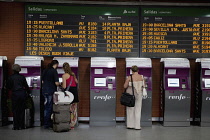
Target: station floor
point(86, 132)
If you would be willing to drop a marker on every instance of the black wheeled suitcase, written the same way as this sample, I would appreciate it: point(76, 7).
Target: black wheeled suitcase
point(27, 118)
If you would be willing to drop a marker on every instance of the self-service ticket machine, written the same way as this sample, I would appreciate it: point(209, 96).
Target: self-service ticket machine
point(202, 99)
point(73, 62)
point(145, 69)
point(2, 83)
point(31, 69)
point(103, 92)
point(176, 91)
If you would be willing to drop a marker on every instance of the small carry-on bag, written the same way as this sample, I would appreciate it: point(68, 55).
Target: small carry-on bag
point(63, 97)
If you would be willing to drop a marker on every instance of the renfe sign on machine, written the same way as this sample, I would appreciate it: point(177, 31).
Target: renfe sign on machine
point(2, 80)
point(145, 69)
point(202, 111)
point(31, 69)
point(176, 91)
point(103, 92)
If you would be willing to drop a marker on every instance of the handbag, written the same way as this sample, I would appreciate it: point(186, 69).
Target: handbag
point(63, 97)
point(144, 91)
point(128, 99)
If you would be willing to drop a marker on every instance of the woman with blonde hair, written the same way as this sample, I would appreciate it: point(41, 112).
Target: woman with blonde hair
point(134, 113)
point(69, 79)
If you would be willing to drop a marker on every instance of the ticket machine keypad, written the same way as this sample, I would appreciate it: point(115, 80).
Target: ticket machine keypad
point(183, 83)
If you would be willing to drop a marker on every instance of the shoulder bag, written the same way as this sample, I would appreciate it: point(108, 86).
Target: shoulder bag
point(128, 99)
point(63, 97)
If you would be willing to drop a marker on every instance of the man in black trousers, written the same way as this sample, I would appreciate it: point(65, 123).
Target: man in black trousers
point(17, 83)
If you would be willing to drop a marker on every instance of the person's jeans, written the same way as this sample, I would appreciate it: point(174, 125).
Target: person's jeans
point(48, 107)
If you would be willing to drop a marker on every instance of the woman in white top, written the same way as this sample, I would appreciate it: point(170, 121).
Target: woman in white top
point(134, 113)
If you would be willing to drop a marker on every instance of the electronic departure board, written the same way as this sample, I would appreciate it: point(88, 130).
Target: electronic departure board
point(175, 32)
point(81, 31)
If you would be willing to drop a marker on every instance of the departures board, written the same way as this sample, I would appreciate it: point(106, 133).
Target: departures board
point(81, 30)
point(117, 31)
point(175, 32)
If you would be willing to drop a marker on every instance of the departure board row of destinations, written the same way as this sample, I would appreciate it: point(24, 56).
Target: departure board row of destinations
point(110, 31)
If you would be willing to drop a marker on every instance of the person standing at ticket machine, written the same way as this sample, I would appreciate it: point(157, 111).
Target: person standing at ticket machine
point(50, 82)
point(134, 113)
point(18, 84)
point(69, 78)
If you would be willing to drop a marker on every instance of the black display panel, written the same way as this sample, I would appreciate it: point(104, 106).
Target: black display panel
point(175, 32)
point(81, 31)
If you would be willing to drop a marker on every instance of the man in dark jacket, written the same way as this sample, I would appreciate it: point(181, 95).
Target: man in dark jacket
point(50, 81)
point(17, 83)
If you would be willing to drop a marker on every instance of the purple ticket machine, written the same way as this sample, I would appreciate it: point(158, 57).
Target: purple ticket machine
point(2, 91)
point(176, 91)
point(103, 91)
point(73, 62)
point(202, 99)
point(145, 69)
point(31, 69)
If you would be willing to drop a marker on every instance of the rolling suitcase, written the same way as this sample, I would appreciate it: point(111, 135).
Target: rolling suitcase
point(58, 108)
point(61, 127)
point(61, 117)
point(27, 119)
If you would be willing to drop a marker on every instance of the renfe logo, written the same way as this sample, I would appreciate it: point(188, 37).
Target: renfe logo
point(105, 98)
point(207, 98)
point(180, 97)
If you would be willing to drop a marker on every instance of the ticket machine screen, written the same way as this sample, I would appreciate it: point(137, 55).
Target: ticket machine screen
point(28, 79)
point(207, 83)
point(24, 70)
point(60, 71)
point(99, 82)
point(60, 80)
point(173, 82)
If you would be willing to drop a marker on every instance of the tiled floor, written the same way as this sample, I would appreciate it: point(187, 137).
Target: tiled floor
point(85, 132)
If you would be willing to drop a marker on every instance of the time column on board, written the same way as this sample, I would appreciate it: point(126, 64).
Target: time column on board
point(147, 37)
point(31, 37)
